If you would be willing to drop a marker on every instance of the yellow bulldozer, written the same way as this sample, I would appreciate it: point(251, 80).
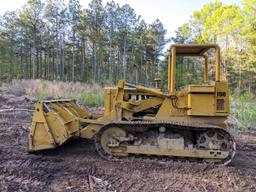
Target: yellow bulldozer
point(189, 123)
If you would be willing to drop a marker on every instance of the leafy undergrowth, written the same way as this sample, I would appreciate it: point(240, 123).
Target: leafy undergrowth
point(90, 95)
point(243, 109)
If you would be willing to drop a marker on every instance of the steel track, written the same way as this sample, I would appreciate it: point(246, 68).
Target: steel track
point(170, 125)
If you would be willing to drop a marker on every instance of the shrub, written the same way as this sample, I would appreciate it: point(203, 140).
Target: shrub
point(243, 109)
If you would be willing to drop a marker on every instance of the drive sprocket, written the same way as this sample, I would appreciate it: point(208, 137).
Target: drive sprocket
point(106, 138)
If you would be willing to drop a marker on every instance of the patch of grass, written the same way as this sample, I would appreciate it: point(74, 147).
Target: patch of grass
point(243, 109)
point(91, 95)
point(92, 99)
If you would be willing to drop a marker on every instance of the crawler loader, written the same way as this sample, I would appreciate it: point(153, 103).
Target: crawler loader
point(189, 123)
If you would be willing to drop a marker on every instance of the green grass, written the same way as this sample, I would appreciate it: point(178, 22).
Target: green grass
point(91, 99)
point(243, 109)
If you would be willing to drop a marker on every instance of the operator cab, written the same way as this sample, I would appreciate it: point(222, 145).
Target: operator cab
point(209, 98)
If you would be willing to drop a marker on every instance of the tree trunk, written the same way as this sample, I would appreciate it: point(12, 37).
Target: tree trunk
point(57, 61)
point(83, 60)
point(30, 64)
point(11, 63)
point(63, 62)
point(21, 71)
point(62, 57)
point(94, 62)
point(37, 64)
point(110, 53)
point(240, 76)
point(33, 60)
point(125, 58)
point(26, 63)
point(69, 69)
point(53, 63)
point(73, 64)
point(45, 66)
point(41, 70)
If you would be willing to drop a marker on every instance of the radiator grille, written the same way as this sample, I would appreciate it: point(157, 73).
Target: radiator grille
point(220, 104)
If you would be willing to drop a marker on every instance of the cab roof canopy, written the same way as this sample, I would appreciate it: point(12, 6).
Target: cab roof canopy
point(192, 49)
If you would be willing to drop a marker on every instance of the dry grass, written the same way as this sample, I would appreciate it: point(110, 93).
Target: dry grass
point(88, 94)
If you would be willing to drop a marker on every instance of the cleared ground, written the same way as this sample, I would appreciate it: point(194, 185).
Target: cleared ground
point(77, 167)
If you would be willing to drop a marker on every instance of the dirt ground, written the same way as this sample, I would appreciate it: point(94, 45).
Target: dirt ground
point(77, 167)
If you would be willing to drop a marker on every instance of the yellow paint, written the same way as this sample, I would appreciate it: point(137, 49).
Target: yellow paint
point(54, 122)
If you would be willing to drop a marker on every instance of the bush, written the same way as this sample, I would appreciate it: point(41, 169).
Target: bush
point(243, 109)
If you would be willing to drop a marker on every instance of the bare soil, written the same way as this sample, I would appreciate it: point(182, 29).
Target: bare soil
point(77, 167)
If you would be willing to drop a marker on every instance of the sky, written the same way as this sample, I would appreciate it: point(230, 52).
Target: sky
point(172, 13)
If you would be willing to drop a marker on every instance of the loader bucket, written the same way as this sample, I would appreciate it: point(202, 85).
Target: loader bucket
point(54, 122)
